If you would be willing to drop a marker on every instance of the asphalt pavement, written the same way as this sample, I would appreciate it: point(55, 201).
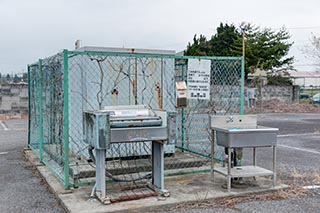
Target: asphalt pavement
point(298, 163)
point(298, 153)
point(21, 190)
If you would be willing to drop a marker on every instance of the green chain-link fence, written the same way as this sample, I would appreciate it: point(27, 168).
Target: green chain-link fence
point(61, 87)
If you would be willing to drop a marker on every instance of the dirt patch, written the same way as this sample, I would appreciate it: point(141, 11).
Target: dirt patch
point(231, 202)
point(4, 117)
point(294, 178)
point(276, 106)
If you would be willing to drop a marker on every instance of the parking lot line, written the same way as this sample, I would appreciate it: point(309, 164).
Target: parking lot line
point(3, 153)
point(294, 135)
point(312, 187)
point(4, 126)
point(300, 149)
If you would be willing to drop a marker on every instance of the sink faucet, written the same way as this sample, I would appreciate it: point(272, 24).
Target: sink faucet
point(230, 119)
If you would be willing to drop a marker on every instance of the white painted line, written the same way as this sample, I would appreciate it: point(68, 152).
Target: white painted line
point(311, 187)
point(300, 149)
point(297, 135)
point(3, 153)
point(4, 126)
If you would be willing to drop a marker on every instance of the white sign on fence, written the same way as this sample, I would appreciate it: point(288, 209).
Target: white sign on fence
point(198, 79)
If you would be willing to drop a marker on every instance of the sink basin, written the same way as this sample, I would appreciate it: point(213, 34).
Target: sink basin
point(242, 131)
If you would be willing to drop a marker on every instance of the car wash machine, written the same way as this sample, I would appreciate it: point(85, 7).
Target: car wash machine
point(128, 124)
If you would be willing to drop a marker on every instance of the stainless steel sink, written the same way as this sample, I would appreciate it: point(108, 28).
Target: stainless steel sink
point(242, 131)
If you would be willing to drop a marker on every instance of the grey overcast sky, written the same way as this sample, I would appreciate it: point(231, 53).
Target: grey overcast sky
point(33, 29)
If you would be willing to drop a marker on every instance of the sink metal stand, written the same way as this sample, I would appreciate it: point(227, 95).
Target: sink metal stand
point(249, 137)
point(244, 171)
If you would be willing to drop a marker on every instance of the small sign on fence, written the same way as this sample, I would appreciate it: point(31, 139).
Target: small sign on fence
point(181, 94)
point(199, 79)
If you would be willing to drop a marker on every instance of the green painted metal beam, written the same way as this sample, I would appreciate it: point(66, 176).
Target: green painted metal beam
point(40, 101)
point(66, 118)
point(138, 55)
point(242, 87)
point(182, 112)
point(29, 106)
point(91, 183)
point(188, 172)
point(54, 171)
point(195, 152)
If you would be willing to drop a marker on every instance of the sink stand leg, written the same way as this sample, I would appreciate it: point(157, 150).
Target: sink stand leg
point(274, 165)
point(254, 156)
point(212, 154)
point(229, 170)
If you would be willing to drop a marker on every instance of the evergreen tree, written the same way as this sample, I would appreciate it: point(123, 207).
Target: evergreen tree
point(264, 48)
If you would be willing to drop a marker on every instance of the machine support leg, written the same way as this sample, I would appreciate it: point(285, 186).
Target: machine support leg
point(212, 154)
point(254, 156)
point(158, 168)
point(101, 176)
point(274, 165)
point(229, 170)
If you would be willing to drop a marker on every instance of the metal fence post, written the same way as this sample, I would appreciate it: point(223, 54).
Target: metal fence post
point(242, 87)
point(51, 123)
point(29, 107)
point(40, 112)
point(182, 113)
point(65, 119)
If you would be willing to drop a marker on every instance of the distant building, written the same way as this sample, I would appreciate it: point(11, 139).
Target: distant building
point(14, 98)
point(258, 74)
point(305, 79)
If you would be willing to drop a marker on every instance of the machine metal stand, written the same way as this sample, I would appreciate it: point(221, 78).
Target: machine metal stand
point(129, 124)
point(158, 168)
point(157, 183)
point(100, 190)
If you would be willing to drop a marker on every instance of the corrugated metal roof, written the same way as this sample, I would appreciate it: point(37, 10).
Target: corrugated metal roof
point(125, 50)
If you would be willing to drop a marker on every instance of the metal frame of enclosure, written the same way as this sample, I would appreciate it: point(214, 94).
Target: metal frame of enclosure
point(63, 86)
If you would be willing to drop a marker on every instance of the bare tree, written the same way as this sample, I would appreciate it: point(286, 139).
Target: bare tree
point(312, 50)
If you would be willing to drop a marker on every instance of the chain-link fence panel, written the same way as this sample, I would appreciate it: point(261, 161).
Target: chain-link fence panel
point(52, 113)
point(97, 81)
point(194, 131)
point(46, 113)
point(34, 107)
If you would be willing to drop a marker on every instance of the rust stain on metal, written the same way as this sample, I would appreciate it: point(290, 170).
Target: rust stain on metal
point(133, 197)
point(134, 83)
point(158, 88)
point(115, 91)
point(115, 94)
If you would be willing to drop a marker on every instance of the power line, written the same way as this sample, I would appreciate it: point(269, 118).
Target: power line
point(300, 65)
point(303, 28)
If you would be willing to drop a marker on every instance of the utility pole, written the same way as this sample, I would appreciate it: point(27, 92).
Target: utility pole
point(243, 27)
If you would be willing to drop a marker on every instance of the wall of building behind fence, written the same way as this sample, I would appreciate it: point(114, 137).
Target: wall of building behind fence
point(14, 98)
point(287, 94)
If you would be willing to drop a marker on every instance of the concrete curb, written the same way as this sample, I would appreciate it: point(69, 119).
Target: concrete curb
point(45, 175)
point(76, 200)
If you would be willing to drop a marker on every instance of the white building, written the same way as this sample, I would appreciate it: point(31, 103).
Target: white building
point(305, 79)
